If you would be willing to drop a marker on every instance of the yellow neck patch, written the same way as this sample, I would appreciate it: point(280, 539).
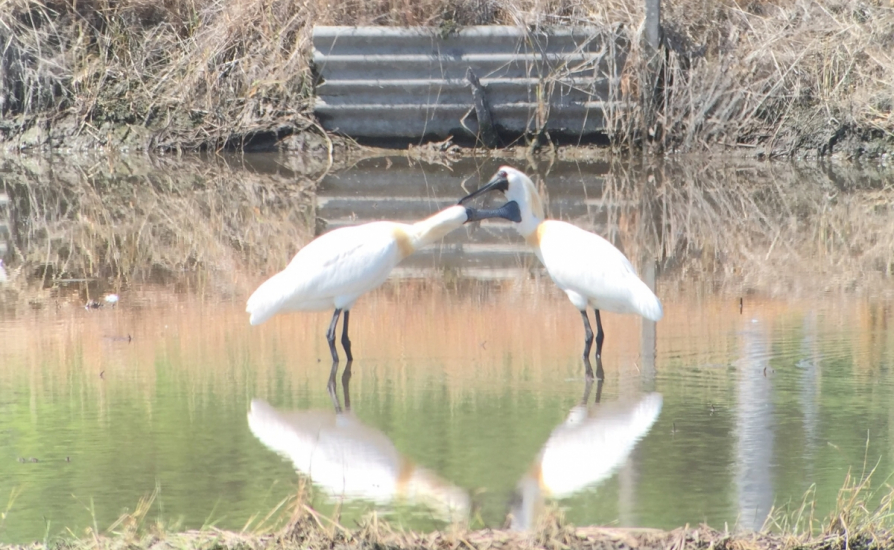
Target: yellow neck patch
point(536, 472)
point(404, 243)
point(404, 475)
point(533, 239)
point(533, 198)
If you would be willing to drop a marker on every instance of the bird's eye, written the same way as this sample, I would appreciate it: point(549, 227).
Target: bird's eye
point(502, 174)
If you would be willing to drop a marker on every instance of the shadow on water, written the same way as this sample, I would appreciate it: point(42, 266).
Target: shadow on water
point(94, 224)
point(739, 226)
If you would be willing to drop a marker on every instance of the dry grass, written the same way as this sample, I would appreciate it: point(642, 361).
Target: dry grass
point(739, 228)
point(869, 528)
point(155, 75)
point(753, 227)
point(161, 220)
point(785, 78)
point(863, 517)
point(775, 78)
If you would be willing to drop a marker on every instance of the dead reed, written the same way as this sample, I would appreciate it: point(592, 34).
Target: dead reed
point(768, 78)
point(869, 527)
point(153, 75)
point(862, 517)
point(740, 228)
point(162, 220)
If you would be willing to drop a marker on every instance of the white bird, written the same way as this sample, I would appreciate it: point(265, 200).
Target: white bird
point(349, 459)
point(336, 268)
point(588, 268)
point(582, 451)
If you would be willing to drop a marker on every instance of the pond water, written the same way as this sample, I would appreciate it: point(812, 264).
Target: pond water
point(467, 400)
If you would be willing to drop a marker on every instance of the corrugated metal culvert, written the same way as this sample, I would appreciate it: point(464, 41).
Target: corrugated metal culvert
point(398, 189)
point(411, 84)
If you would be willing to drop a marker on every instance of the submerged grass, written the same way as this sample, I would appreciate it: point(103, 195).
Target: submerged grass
point(860, 521)
point(769, 77)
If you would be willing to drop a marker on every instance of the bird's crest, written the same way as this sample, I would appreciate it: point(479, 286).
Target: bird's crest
point(533, 198)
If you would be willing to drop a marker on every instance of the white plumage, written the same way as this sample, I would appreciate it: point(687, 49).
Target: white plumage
point(336, 268)
point(593, 272)
point(349, 459)
point(332, 271)
point(582, 451)
point(588, 268)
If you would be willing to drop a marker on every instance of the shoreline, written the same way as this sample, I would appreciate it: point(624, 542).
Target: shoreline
point(311, 530)
point(794, 81)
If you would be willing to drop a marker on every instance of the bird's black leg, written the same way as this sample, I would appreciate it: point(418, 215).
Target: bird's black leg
point(600, 336)
point(598, 389)
point(345, 384)
point(333, 393)
point(330, 335)
point(345, 341)
point(589, 383)
point(588, 369)
point(588, 335)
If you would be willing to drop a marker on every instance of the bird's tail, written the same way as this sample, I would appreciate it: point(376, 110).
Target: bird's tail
point(646, 413)
point(647, 304)
point(266, 300)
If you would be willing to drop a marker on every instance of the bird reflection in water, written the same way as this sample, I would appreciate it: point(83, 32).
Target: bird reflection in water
point(588, 447)
point(350, 460)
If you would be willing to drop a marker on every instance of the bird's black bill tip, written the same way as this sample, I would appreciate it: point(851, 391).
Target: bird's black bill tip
point(508, 211)
point(498, 183)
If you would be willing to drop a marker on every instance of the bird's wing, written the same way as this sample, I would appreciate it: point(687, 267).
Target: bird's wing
point(586, 263)
point(293, 436)
point(346, 262)
point(337, 451)
point(586, 452)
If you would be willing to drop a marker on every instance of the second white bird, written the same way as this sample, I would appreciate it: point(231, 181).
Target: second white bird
point(588, 268)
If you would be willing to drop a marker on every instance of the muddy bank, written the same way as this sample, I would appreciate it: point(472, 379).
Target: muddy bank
point(320, 533)
point(796, 80)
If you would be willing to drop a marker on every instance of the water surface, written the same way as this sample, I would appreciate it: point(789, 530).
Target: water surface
point(466, 398)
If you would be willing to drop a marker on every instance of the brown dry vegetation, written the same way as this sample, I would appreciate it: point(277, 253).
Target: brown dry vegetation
point(153, 220)
point(771, 78)
point(762, 228)
point(854, 525)
point(739, 228)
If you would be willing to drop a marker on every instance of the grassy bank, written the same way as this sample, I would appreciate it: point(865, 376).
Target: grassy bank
point(768, 78)
point(861, 521)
